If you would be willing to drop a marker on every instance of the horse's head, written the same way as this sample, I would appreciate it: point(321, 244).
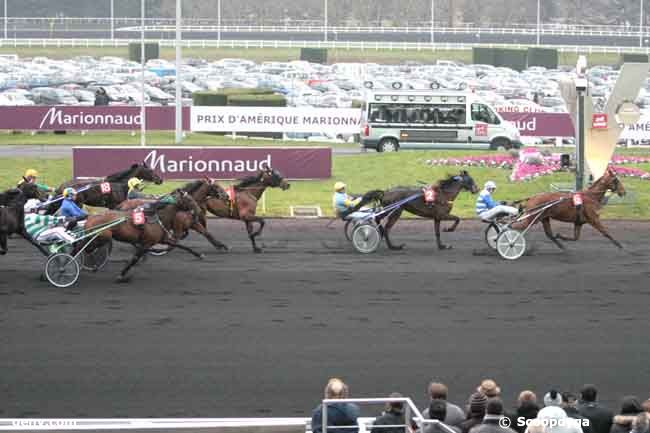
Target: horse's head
point(273, 178)
point(613, 183)
point(467, 183)
point(145, 173)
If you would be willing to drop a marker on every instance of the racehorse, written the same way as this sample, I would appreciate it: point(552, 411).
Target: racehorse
point(243, 205)
point(118, 190)
point(158, 228)
point(12, 213)
point(201, 191)
point(440, 210)
point(566, 211)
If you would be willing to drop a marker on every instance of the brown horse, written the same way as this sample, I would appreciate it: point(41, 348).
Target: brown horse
point(158, 229)
point(94, 196)
point(440, 210)
point(244, 204)
point(201, 191)
point(566, 211)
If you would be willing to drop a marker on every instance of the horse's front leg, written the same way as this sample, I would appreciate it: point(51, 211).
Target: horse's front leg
point(595, 223)
point(452, 227)
point(139, 253)
point(3, 244)
point(392, 220)
point(174, 244)
point(253, 234)
point(441, 246)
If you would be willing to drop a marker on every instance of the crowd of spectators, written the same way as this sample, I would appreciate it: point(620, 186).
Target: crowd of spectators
point(484, 412)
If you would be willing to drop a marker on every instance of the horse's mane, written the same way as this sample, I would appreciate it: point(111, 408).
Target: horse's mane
point(121, 175)
point(191, 187)
point(248, 181)
point(447, 183)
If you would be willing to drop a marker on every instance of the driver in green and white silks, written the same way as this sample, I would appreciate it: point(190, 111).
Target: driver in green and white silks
point(43, 228)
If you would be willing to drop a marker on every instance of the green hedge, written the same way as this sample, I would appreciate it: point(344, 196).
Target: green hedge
point(209, 98)
point(483, 56)
point(234, 91)
point(257, 101)
point(151, 51)
point(314, 55)
point(633, 58)
point(546, 57)
point(511, 58)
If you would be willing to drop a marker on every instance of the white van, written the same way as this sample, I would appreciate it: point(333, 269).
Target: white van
point(434, 119)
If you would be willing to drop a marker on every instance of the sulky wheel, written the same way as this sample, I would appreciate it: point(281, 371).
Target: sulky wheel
point(511, 244)
point(95, 260)
point(491, 234)
point(61, 270)
point(366, 238)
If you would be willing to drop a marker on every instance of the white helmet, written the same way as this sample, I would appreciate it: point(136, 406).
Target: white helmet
point(32, 205)
point(490, 185)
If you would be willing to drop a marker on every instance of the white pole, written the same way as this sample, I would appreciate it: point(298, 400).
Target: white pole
point(6, 19)
point(179, 94)
point(218, 23)
point(539, 21)
point(640, 23)
point(112, 19)
point(143, 113)
point(325, 19)
point(433, 17)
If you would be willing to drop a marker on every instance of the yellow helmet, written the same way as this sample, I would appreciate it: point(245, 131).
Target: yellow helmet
point(31, 173)
point(134, 182)
point(339, 186)
point(69, 192)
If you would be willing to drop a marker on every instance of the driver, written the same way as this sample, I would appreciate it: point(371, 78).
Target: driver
point(487, 209)
point(31, 176)
point(42, 228)
point(136, 186)
point(69, 208)
point(344, 203)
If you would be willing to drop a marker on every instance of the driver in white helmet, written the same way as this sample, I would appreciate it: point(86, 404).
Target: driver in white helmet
point(487, 208)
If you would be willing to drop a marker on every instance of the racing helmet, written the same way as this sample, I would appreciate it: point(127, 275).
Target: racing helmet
point(69, 192)
point(31, 205)
point(490, 185)
point(30, 172)
point(339, 186)
point(134, 182)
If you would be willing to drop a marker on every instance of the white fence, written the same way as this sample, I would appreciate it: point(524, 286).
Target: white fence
point(344, 45)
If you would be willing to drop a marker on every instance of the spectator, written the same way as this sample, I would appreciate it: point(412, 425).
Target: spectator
point(438, 391)
point(101, 97)
point(630, 408)
point(553, 398)
point(438, 410)
point(641, 423)
point(477, 405)
point(555, 420)
point(600, 418)
point(490, 388)
point(527, 408)
point(338, 414)
point(569, 402)
point(491, 423)
point(393, 416)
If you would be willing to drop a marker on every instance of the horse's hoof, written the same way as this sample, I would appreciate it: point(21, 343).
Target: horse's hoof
point(448, 230)
point(201, 256)
point(257, 250)
point(123, 279)
point(397, 247)
point(224, 248)
point(444, 247)
point(43, 278)
point(2, 252)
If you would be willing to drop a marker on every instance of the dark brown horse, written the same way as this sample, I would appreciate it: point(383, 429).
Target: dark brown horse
point(95, 196)
point(201, 191)
point(440, 210)
point(566, 211)
point(12, 213)
point(158, 229)
point(243, 206)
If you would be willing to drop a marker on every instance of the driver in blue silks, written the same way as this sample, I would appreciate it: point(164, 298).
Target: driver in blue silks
point(344, 203)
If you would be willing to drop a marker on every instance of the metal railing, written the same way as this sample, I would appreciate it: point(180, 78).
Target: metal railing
point(342, 45)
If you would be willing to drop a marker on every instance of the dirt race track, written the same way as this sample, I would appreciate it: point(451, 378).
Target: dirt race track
point(245, 335)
